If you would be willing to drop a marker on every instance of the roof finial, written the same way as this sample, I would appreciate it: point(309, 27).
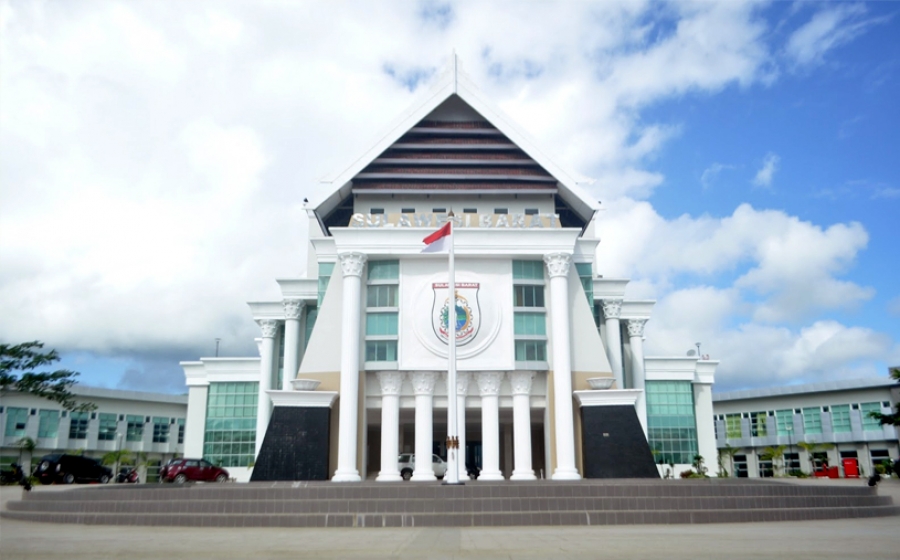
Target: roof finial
point(455, 74)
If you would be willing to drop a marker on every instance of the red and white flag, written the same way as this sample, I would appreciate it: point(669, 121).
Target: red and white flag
point(439, 241)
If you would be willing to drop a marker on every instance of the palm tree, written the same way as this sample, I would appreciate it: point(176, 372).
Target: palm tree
point(26, 445)
point(115, 458)
point(729, 452)
point(775, 454)
point(812, 448)
point(141, 460)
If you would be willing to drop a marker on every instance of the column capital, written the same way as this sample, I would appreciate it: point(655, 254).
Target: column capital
point(391, 382)
point(462, 383)
point(612, 307)
point(352, 263)
point(521, 382)
point(292, 308)
point(636, 327)
point(489, 382)
point(269, 327)
point(558, 264)
point(423, 382)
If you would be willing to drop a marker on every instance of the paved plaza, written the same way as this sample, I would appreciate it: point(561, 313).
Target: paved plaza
point(877, 538)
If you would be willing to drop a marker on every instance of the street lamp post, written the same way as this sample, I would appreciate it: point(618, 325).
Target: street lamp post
point(118, 454)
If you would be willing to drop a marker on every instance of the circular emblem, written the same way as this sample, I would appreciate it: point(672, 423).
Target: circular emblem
point(465, 321)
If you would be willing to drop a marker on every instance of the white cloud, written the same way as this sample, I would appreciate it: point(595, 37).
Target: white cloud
point(710, 174)
point(828, 29)
point(766, 173)
point(160, 154)
point(790, 268)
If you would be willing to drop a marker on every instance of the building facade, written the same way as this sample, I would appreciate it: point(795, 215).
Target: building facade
point(353, 357)
point(816, 425)
point(151, 424)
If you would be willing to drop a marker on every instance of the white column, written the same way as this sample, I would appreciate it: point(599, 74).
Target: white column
point(558, 267)
point(636, 338)
point(267, 354)
point(292, 309)
point(489, 388)
point(391, 382)
point(706, 432)
point(423, 387)
point(352, 265)
point(462, 389)
point(611, 310)
point(521, 390)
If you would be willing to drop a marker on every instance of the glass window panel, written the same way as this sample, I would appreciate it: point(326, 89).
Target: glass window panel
point(381, 295)
point(233, 424)
point(671, 425)
point(48, 423)
point(325, 271)
point(384, 270)
point(869, 423)
point(312, 313)
point(758, 424)
point(528, 296)
point(784, 421)
point(108, 425)
point(16, 421)
point(531, 351)
point(528, 270)
point(381, 324)
point(812, 420)
point(78, 425)
point(530, 324)
point(840, 418)
point(381, 350)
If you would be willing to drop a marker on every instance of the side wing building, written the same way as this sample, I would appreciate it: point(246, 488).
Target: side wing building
point(351, 373)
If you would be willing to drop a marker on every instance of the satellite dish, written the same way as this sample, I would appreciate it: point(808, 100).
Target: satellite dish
point(691, 353)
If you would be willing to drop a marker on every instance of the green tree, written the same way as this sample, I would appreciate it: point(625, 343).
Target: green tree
point(812, 448)
point(26, 445)
point(698, 465)
point(775, 454)
point(118, 457)
point(18, 365)
point(894, 418)
point(729, 452)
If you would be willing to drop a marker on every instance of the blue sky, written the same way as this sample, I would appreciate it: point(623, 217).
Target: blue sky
point(154, 156)
point(832, 128)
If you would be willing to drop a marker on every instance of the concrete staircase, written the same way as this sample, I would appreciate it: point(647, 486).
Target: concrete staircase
point(477, 504)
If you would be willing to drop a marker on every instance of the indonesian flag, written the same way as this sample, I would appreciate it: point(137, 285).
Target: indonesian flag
point(439, 241)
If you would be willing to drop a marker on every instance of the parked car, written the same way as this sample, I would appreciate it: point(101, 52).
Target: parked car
point(407, 464)
point(180, 471)
point(68, 469)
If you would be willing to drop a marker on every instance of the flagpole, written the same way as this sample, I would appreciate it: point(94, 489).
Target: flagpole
point(452, 474)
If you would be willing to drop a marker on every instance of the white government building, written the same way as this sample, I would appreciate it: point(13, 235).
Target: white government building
point(364, 331)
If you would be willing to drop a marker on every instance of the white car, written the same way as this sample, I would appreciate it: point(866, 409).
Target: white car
point(407, 464)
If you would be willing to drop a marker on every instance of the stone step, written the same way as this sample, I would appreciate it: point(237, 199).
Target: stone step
point(278, 491)
point(323, 504)
point(557, 518)
point(454, 505)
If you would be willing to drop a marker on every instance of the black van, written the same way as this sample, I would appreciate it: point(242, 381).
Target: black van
point(71, 468)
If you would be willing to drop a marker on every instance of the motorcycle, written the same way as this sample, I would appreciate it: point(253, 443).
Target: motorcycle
point(127, 475)
point(16, 476)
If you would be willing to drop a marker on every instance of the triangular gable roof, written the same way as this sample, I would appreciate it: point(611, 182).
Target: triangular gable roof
point(453, 81)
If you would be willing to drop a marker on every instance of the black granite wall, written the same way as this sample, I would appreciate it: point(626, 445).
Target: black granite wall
point(614, 444)
point(296, 445)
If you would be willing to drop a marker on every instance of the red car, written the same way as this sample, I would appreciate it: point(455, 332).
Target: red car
point(183, 470)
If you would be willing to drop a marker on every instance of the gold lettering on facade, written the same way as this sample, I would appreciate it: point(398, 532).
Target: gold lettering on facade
point(487, 221)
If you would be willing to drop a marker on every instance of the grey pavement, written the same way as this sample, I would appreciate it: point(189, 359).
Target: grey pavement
point(871, 539)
